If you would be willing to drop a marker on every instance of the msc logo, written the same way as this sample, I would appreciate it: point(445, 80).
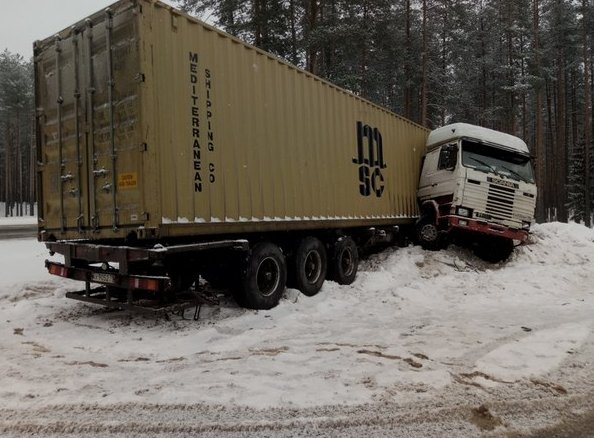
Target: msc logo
point(370, 159)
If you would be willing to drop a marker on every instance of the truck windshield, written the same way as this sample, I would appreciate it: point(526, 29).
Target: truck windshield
point(503, 163)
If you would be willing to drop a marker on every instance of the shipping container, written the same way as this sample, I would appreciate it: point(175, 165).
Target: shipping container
point(152, 124)
point(169, 150)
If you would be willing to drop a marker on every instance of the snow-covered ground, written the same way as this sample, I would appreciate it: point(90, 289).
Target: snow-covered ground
point(423, 343)
point(18, 220)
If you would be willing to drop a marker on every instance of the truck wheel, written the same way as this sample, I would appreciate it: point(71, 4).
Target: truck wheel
point(344, 261)
point(265, 277)
point(309, 266)
point(494, 249)
point(428, 234)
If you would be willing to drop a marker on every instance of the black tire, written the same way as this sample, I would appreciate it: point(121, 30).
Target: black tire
point(309, 267)
point(344, 262)
point(494, 249)
point(265, 277)
point(428, 234)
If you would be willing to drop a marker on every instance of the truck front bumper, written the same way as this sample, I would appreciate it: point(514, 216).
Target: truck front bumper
point(472, 225)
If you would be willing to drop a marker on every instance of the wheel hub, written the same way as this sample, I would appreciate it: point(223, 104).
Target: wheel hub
point(428, 233)
point(346, 262)
point(313, 267)
point(268, 276)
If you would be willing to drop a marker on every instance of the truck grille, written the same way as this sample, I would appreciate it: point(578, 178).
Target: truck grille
point(500, 201)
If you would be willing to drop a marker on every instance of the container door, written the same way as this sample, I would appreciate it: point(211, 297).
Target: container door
point(114, 149)
point(62, 190)
point(89, 147)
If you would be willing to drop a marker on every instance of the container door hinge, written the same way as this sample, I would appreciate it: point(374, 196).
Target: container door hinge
point(140, 77)
point(143, 147)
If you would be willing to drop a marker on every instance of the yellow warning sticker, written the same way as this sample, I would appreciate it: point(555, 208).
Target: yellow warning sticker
point(127, 180)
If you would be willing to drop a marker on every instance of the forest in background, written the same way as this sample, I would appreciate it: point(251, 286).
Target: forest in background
point(520, 66)
point(17, 126)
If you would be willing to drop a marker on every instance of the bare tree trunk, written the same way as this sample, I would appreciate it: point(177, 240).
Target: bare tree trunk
point(311, 55)
point(510, 63)
point(363, 74)
point(573, 137)
point(539, 149)
point(407, 63)
point(587, 116)
point(18, 166)
point(294, 58)
point(424, 73)
point(524, 104)
point(32, 169)
point(483, 88)
point(550, 194)
point(8, 168)
point(444, 53)
point(561, 150)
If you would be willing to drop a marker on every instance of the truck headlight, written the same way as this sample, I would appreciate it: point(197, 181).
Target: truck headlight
point(463, 211)
point(525, 225)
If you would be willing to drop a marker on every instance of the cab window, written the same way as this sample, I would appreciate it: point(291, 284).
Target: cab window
point(448, 157)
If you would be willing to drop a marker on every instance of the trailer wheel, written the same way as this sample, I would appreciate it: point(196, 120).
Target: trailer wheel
point(428, 234)
point(310, 265)
point(344, 261)
point(265, 277)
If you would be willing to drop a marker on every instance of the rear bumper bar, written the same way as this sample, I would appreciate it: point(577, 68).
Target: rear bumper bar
point(109, 278)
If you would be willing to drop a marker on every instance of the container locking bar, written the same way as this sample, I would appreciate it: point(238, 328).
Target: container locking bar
point(94, 222)
point(59, 102)
point(110, 87)
point(79, 161)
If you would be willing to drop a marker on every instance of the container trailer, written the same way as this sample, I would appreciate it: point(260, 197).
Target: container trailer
point(169, 151)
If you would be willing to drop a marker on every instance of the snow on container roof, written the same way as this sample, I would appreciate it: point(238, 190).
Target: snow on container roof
point(459, 130)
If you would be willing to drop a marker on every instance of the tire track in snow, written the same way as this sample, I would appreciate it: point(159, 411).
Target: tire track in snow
point(421, 417)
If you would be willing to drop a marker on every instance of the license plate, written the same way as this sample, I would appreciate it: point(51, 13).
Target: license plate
point(101, 277)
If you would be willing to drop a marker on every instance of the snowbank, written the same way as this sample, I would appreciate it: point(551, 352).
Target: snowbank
point(414, 324)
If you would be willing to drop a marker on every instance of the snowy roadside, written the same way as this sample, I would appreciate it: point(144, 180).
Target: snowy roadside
point(423, 342)
point(18, 227)
point(18, 220)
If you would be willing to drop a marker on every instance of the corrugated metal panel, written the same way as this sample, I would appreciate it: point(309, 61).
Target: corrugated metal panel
point(238, 140)
point(88, 125)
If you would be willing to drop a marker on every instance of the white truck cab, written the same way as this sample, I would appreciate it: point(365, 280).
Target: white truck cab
point(476, 185)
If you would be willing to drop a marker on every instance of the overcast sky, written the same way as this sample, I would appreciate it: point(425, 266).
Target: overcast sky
point(24, 21)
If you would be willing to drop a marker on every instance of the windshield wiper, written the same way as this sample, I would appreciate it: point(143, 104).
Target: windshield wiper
point(522, 177)
point(487, 165)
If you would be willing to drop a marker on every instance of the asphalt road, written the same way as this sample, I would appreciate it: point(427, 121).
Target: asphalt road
point(18, 231)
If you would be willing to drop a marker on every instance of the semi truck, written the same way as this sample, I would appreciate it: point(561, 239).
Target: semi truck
point(170, 152)
point(476, 187)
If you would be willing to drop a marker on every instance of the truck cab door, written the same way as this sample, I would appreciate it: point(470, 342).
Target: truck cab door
point(438, 176)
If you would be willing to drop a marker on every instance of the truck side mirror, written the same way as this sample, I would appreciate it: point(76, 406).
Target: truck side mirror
point(448, 157)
